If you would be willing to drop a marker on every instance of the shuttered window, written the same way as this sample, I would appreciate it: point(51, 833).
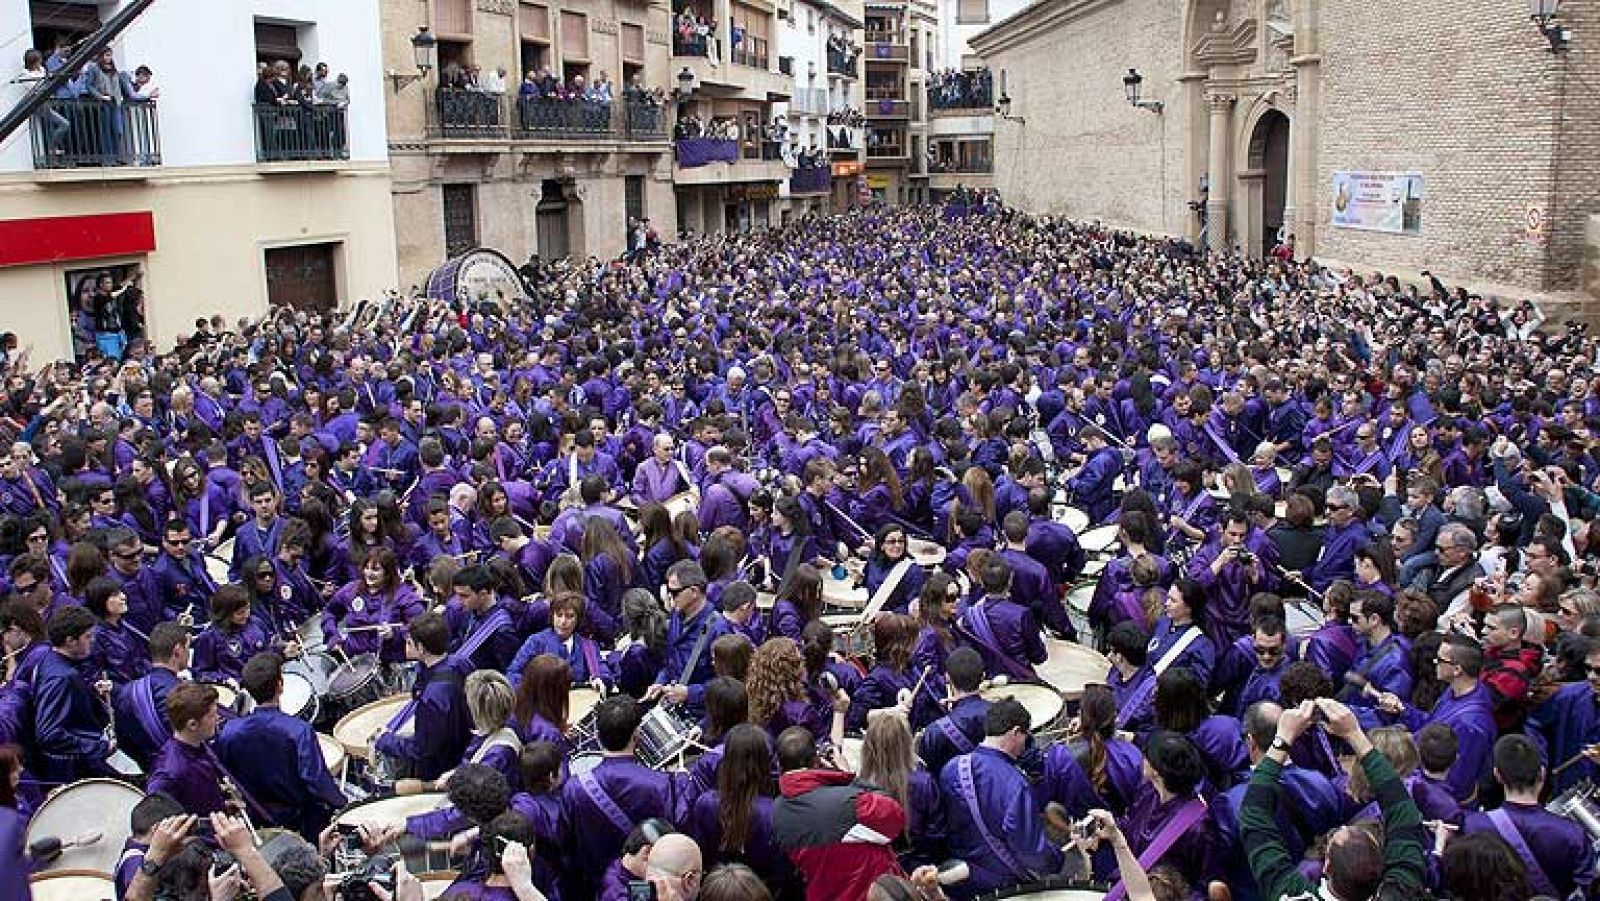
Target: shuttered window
point(972, 10)
point(453, 16)
point(633, 42)
point(534, 21)
point(574, 36)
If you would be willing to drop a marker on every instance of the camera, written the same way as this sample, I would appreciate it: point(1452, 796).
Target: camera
point(378, 870)
point(641, 890)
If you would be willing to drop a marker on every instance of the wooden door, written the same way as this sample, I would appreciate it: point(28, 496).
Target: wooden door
point(302, 277)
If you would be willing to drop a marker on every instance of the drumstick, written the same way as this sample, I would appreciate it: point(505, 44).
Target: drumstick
point(1570, 761)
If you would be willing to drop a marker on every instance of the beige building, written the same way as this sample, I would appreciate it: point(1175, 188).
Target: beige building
point(476, 162)
point(220, 205)
point(1444, 136)
point(900, 37)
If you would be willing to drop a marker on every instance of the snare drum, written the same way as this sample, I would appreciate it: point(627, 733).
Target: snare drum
point(91, 805)
point(684, 502)
point(926, 553)
point(1100, 539)
point(333, 755)
point(357, 682)
point(843, 592)
point(1071, 666)
point(228, 699)
point(1078, 599)
point(1073, 518)
point(383, 811)
point(664, 733)
point(299, 697)
point(72, 885)
point(1043, 703)
point(357, 728)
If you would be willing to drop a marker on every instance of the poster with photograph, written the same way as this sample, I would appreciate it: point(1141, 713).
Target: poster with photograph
point(1378, 201)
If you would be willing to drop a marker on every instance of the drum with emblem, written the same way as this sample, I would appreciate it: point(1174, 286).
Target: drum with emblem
point(91, 817)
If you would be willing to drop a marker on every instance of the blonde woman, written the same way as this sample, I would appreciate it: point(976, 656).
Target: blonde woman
point(889, 764)
point(495, 743)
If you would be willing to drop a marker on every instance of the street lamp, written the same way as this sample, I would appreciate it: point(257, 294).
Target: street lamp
point(424, 47)
point(685, 83)
point(1003, 107)
point(1130, 86)
point(1543, 12)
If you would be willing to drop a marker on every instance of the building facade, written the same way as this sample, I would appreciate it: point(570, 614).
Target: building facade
point(1441, 137)
point(900, 38)
point(961, 95)
point(542, 128)
point(217, 203)
point(822, 41)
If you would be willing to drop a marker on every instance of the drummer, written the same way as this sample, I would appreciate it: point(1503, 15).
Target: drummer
point(1002, 631)
point(139, 706)
point(368, 615)
point(276, 757)
point(892, 571)
point(231, 639)
point(960, 730)
point(562, 639)
point(70, 713)
point(437, 715)
point(662, 476)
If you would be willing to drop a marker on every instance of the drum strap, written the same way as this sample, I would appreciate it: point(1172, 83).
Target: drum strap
point(505, 736)
point(969, 794)
point(954, 735)
point(480, 633)
point(699, 648)
point(597, 793)
point(591, 657)
point(255, 807)
point(1187, 816)
point(688, 480)
point(1537, 880)
point(144, 706)
point(1146, 689)
point(1349, 692)
point(887, 589)
point(978, 621)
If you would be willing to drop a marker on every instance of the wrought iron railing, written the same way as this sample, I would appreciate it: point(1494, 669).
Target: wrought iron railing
point(299, 133)
point(89, 133)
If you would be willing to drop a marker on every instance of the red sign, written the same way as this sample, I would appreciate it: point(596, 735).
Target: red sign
point(60, 239)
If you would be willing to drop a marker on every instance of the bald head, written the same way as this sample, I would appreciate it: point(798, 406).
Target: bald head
point(676, 859)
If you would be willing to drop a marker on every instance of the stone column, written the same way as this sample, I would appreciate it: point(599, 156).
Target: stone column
point(723, 11)
point(1291, 178)
point(1303, 177)
point(1220, 169)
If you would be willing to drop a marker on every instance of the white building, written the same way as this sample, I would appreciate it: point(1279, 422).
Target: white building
point(224, 206)
point(822, 86)
point(962, 127)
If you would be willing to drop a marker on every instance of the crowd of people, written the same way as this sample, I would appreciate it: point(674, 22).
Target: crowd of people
point(842, 53)
point(95, 120)
point(961, 89)
point(717, 128)
point(694, 35)
point(1334, 537)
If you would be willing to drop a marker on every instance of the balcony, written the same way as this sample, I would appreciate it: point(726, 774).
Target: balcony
point(289, 134)
point(818, 180)
point(90, 134)
point(844, 141)
point(711, 161)
point(694, 45)
point(890, 49)
point(888, 109)
point(458, 114)
point(750, 51)
point(844, 65)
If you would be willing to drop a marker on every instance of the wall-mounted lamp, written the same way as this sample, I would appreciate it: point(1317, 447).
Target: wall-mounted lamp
point(1543, 13)
point(1131, 84)
point(424, 48)
point(1003, 104)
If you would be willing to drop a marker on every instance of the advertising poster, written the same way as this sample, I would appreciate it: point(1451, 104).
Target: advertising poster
point(1378, 201)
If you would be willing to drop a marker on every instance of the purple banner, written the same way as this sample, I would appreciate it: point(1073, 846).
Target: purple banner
point(881, 51)
point(695, 152)
point(811, 181)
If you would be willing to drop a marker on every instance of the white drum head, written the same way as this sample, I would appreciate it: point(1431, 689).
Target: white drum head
point(580, 701)
point(925, 552)
point(361, 724)
point(332, 752)
point(1043, 703)
point(297, 694)
point(72, 885)
point(1071, 517)
point(391, 810)
point(842, 593)
point(1099, 539)
point(849, 752)
point(1071, 666)
point(89, 806)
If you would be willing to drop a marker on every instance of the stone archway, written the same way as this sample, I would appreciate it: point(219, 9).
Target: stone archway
point(1266, 179)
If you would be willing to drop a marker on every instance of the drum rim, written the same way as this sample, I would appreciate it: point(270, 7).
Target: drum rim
point(367, 802)
point(76, 873)
point(402, 697)
point(1033, 687)
point(349, 664)
point(1048, 884)
point(123, 830)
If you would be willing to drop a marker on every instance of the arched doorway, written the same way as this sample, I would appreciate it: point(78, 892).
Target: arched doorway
point(1269, 156)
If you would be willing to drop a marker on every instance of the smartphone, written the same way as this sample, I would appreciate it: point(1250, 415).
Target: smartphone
point(641, 890)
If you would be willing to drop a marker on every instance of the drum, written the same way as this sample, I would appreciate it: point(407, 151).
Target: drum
point(843, 592)
point(72, 885)
point(228, 699)
point(90, 806)
point(663, 735)
point(581, 701)
point(1301, 618)
point(1050, 890)
point(766, 600)
point(1071, 517)
point(383, 811)
point(1094, 567)
point(1071, 666)
point(1078, 599)
point(1581, 805)
point(848, 641)
point(360, 725)
point(315, 667)
point(926, 553)
point(356, 682)
point(849, 753)
point(1043, 703)
point(333, 755)
point(309, 633)
point(434, 885)
point(218, 561)
point(1100, 539)
point(299, 698)
point(685, 502)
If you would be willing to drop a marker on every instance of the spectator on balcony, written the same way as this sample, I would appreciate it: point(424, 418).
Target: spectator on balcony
point(304, 91)
point(104, 83)
point(51, 120)
point(337, 93)
point(494, 82)
point(270, 89)
point(601, 90)
point(319, 79)
point(144, 88)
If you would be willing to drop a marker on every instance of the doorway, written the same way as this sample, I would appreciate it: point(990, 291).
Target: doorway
point(1269, 155)
point(551, 221)
point(303, 277)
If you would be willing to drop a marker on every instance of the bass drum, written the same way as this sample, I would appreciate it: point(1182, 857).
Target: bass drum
point(100, 806)
point(72, 885)
point(1050, 890)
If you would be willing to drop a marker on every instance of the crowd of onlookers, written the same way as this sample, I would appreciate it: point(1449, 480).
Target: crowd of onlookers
point(847, 117)
point(91, 118)
point(955, 89)
point(723, 128)
point(842, 53)
point(694, 35)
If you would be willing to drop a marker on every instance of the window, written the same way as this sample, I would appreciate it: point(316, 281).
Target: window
point(972, 11)
point(460, 219)
point(453, 17)
point(303, 277)
point(574, 36)
point(275, 42)
point(534, 20)
point(633, 196)
point(632, 42)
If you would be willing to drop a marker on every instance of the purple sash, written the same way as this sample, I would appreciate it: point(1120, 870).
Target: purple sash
point(480, 634)
point(1224, 446)
point(969, 794)
point(978, 619)
point(1537, 880)
point(150, 719)
point(1138, 698)
point(956, 737)
point(597, 793)
point(591, 659)
point(1164, 840)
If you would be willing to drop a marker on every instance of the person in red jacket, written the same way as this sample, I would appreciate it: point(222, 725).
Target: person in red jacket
point(839, 834)
point(1510, 664)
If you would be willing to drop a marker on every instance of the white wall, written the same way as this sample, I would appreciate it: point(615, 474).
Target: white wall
point(953, 36)
point(203, 56)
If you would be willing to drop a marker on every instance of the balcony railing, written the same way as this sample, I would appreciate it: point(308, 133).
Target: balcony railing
point(843, 64)
point(694, 45)
point(90, 133)
point(840, 139)
point(300, 133)
point(885, 151)
point(888, 109)
point(750, 51)
point(817, 180)
point(459, 114)
point(693, 153)
point(887, 52)
point(961, 167)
